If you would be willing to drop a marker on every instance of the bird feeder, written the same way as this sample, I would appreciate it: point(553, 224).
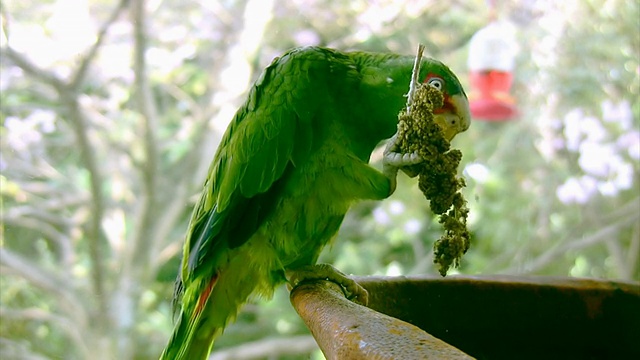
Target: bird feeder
point(466, 317)
point(491, 64)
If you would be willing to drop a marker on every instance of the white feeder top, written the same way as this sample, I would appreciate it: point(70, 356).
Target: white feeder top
point(493, 47)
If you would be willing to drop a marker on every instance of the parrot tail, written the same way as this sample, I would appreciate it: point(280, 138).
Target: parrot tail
point(214, 303)
point(193, 336)
point(179, 348)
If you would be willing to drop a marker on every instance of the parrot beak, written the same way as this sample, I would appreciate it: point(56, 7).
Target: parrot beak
point(455, 117)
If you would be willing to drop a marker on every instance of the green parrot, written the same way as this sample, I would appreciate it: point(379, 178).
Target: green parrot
point(292, 161)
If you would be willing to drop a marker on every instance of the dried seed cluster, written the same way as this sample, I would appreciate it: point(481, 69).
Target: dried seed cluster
point(417, 132)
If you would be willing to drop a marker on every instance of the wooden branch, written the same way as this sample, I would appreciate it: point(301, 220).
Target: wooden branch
point(634, 250)
point(32, 69)
point(345, 330)
point(32, 272)
point(29, 173)
point(63, 242)
point(94, 234)
point(38, 210)
point(617, 255)
point(52, 204)
point(85, 63)
point(197, 166)
point(36, 314)
point(631, 206)
point(181, 187)
point(172, 212)
point(197, 112)
point(18, 349)
point(48, 281)
point(268, 348)
point(23, 62)
point(599, 236)
point(144, 237)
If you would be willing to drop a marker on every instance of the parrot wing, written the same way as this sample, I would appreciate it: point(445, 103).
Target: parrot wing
point(274, 131)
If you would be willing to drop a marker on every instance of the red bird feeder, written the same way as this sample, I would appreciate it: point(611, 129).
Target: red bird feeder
point(491, 62)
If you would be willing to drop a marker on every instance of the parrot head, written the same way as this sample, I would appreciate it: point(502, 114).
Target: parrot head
point(454, 116)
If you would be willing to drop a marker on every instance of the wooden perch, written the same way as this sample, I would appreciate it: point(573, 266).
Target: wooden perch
point(492, 317)
point(346, 330)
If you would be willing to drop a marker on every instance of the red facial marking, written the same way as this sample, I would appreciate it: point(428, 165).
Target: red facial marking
point(447, 106)
point(429, 77)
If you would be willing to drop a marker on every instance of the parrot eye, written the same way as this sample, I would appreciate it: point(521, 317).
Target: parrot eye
point(436, 83)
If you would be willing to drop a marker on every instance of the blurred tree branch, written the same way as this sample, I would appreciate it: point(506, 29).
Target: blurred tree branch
point(94, 234)
point(32, 69)
point(144, 235)
point(46, 280)
point(62, 323)
point(268, 348)
point(46, 206)
point(602, 235)
point(633, 254)
point(63, 242)
point(10, 349)
point(81, 71)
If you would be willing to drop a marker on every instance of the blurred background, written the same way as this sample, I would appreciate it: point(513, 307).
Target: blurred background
point(111, 112)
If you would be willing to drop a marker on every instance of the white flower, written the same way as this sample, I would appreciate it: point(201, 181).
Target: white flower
point(477, 171)
point(21, 133)
point(572, 131)
point(593, 129)
point(577, 190)
point(630, 141)
point(608, 188)
point(381, 216)
point(396, 207)
point(412, 226)
point(596, 159)
point(623, 179)
point(618, 113)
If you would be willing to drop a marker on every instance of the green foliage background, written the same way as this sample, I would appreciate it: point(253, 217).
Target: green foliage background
point(111, 113)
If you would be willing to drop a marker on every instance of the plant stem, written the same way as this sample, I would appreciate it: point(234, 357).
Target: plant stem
point(414, 77)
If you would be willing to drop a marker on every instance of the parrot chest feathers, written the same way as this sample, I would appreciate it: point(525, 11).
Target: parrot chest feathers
point(312, 207)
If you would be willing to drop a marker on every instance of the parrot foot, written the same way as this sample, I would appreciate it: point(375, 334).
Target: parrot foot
point(401, 160)
point(352, 290)
point(392, 161)
point(393, 158)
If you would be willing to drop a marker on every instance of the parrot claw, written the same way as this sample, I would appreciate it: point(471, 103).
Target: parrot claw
point(393, 161)
point(352, 290)
point(393, 158)
point(401, 160)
